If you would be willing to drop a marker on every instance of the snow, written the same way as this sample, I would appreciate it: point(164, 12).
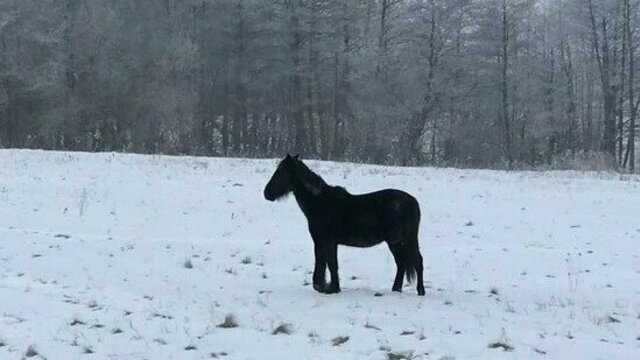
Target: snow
point(95, 248)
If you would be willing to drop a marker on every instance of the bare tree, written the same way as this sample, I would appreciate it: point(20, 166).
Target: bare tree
point(482, 83)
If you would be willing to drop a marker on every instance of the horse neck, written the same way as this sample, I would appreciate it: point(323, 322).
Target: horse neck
point(308, 187)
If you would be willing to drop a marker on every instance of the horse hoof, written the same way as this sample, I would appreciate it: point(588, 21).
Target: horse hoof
point(421, 292)
point(396, 289)
point(320, 287)
point(332, 290)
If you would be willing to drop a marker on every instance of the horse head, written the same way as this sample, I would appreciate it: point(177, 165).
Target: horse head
point(283, 179)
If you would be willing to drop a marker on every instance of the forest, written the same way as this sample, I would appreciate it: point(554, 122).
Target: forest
point(466, 83)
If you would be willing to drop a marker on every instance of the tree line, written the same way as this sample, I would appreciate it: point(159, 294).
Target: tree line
point(474, 83)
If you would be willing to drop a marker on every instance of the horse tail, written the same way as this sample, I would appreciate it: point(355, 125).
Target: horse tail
point(410, 268)
point(412, 258)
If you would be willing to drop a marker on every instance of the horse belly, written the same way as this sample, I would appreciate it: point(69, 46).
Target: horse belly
point(360, 241)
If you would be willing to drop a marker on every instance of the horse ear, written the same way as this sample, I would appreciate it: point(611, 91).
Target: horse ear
point(297, 157)
point(288, 156)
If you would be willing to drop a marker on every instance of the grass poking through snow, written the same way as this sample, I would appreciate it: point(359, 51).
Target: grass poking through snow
point(76, 321)
point(501, 345)
point(31, 352)
point(283, 329)
point(339, 340)
point(229, 322)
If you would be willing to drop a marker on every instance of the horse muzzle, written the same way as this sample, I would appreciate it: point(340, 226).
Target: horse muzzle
point(268, 195)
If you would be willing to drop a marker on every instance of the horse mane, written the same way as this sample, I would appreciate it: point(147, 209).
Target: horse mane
point(338, 192)
point(311, 181)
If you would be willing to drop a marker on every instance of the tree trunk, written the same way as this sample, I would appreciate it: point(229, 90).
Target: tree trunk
point(572, 102)
point(602, 51)
point(337, 122)
point(311, 84)
point(340, 87)
point(300, 131)
point(224, 128)
point(620, 127)
point(629, 157)
point(69, 62)
point(239, 125)
point(504, 85)
point(382, 38)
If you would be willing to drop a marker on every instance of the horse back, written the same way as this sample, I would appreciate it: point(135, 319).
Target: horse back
point(388, 199)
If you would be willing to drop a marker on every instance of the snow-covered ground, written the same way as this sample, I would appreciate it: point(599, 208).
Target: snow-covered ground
point(111, 256)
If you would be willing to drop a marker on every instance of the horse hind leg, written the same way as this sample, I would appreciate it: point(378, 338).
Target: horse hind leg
point(396, 250)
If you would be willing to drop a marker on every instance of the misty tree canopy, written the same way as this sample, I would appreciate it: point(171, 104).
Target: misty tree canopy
point(480, 83)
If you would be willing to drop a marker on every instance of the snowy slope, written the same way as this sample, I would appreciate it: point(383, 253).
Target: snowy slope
point(110, 256)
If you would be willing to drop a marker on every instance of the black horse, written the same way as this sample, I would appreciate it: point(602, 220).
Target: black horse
point(337, 217)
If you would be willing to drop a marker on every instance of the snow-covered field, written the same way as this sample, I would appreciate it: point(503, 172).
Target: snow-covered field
point(143, 257)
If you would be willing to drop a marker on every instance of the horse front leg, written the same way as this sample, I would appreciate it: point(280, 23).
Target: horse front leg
point(331, 250)
point(319, 282)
